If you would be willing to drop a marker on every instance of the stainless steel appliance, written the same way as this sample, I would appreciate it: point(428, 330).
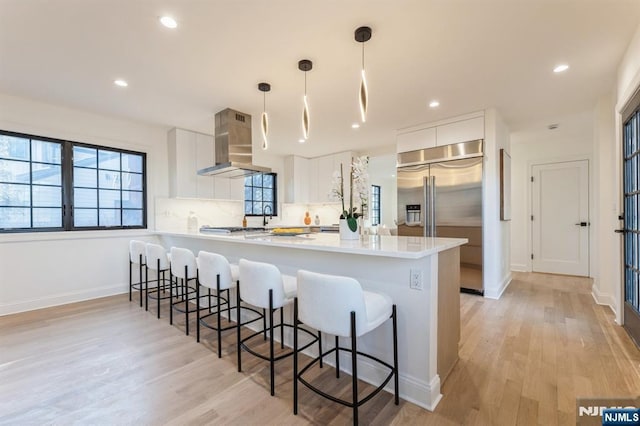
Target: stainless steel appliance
point(440, 195)
point(233, 147)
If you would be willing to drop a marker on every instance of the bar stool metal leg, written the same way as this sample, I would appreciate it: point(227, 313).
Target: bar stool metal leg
point(354, 368)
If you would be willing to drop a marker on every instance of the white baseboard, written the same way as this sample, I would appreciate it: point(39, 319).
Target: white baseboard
point(497, 293)
point(603, 298)
point(519, 267)
point(61, 299)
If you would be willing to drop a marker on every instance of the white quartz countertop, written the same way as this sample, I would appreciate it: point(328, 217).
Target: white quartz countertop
point(370, 245)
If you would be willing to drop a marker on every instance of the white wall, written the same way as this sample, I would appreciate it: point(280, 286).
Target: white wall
point(382, 172)
point(627, 84)
point(605, 263)
point(536, 144)
point(496, 244)
point(45, 269)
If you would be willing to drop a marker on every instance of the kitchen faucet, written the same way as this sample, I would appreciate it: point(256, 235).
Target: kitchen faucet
point(264, 214)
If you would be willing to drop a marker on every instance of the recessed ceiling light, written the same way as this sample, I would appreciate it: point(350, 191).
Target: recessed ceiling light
point(301, 140)
point(561, 68)
point(121, 83)
point(355, 126)
point(434, 104)
point(168, 22)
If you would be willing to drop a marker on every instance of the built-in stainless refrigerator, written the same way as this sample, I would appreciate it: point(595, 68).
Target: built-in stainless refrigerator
point(440, 195)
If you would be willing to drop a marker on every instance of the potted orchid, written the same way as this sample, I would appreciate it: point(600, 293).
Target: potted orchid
point(358, 192)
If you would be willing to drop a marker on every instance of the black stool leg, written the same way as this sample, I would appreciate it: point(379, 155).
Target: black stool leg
point(219, 329)
point(354, 368)
point(337, 359)
point(264, 324)
point(185, 286)
point(320, 347)
point(197, 306)
point(130, 279)
point(239, 350)
point(295, 355)
point(171, 297)
point(271, 352)
point(395, 355)
point(282, 328)
point(140, 280)
point(146, 287)
point(158, 286)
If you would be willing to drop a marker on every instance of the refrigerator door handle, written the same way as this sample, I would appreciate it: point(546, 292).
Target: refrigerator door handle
point(430, 207)
point(432, 202)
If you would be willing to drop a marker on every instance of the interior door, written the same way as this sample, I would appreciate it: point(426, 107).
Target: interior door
point(631, 205)
point(560, 218)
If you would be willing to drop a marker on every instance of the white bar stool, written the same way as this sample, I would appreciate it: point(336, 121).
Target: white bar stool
point(338, 305)
point(262, 285)
point(185, 268)
point(157, 260)
point(216, 273)
point(137, 257)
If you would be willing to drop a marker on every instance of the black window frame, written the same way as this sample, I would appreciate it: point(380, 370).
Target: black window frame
point(67, 186)
point(376, 205)
point(273, 203)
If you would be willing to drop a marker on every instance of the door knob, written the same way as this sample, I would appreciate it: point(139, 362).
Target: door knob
point(583, 224)
point(619, 231)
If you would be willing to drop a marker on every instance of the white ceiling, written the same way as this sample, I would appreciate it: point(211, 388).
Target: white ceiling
point(469, 54)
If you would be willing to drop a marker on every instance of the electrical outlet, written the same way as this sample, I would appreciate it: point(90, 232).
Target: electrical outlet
point(415, 279)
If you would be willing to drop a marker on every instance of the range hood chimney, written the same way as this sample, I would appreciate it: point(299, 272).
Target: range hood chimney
point(233, 147)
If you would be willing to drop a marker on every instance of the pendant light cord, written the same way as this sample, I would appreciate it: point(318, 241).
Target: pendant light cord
point(362, 55)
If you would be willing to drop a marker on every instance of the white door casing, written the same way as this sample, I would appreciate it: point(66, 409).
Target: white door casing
point(560, 204)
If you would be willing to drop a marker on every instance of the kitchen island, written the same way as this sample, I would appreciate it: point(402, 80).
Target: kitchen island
point(420, 274)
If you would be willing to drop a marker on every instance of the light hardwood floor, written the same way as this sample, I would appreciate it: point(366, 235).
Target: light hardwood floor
point(523, 360)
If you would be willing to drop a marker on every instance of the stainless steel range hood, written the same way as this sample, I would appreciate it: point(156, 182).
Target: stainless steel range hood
point(234, 157)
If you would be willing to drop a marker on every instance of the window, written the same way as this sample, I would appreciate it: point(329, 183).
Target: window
point(53, 185)
point(260, 194)
point(375, 205)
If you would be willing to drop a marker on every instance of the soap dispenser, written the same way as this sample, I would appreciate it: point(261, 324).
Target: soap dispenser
point(192, 222)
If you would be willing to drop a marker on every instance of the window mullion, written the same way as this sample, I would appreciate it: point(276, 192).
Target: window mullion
point(67, 186)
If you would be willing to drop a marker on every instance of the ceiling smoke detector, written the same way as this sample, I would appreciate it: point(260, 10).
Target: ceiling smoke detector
point(553, 126)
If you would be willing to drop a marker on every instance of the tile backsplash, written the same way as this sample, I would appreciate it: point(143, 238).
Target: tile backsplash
point(172, 213)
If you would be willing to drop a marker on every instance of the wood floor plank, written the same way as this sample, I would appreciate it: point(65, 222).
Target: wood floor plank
point(523, 360)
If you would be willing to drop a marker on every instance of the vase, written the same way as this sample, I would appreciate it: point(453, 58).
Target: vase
point(346, 233)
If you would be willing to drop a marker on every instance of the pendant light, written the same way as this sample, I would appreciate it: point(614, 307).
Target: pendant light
point(264, 121)
point(362, 35)
point(305, 65)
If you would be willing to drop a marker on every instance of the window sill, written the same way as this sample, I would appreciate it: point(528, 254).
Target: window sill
point(22, 237)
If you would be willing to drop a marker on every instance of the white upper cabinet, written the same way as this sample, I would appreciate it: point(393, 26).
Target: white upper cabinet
point(204, 158)
point(417, 139)
point(189, 152)
point(297, 174)
point(309, 180)
point(460, 131)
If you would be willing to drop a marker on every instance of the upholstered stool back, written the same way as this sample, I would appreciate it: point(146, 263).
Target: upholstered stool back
point(210, 265)
point(256, 279)
point(179, 259)
point(136, 249)
point(155, 252)
point(325, 302)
